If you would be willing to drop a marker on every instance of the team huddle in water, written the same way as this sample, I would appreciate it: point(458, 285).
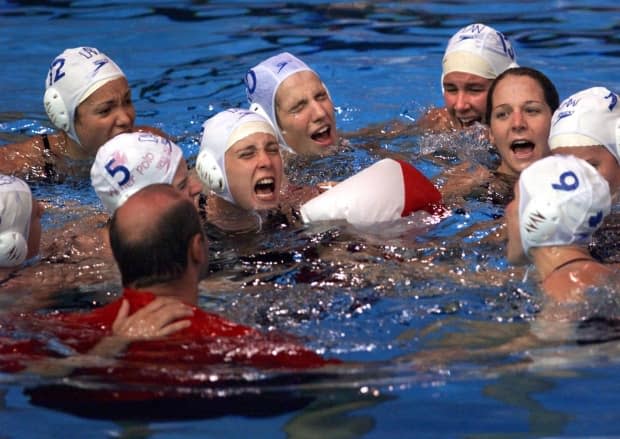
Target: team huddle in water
point(561, 157)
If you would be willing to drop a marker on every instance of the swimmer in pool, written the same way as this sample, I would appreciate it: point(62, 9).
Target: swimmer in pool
point(586, 125)
point(20, 223)
point(293, 98)
point(79, 254)
point(130, 161)
point(161, 251)
point(88, 99)
point(520, 104)
point(475, 55)
point(559, 203)
point(240, 162)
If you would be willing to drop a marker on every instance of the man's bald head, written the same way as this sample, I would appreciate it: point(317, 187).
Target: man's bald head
point(150, 235)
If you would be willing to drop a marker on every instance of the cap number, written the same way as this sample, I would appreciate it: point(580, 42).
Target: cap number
point(568, 182)
point(115, 170)
point(56, 72)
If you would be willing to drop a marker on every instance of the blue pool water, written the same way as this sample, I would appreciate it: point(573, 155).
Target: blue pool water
point(408, 308)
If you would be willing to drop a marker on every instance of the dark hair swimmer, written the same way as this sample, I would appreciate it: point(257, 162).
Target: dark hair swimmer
point(87, 97)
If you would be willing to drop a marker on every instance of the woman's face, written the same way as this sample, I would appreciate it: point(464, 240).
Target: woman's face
point(520, 122)
point(254, 171)
point(514, 248)
point(305, 114)
point(187, 183)
point(34, 234)
point(104, 114)
point(600, 158)
point(465, 97)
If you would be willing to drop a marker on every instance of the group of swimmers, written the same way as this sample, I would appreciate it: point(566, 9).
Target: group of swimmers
point(563, 156)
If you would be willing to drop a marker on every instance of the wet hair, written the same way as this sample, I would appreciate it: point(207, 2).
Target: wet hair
point(552, 98)
point(158, 252)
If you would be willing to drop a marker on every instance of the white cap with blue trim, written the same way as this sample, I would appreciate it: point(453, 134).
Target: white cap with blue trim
point(589, 117)
point(15, 215)
point(73, 76)
point(562, 201)
point(262, 82)
point(129, 162)
point(479, 50)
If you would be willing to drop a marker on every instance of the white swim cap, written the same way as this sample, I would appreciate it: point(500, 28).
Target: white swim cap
point(73, 76)
point(589, 117)
point(15, 214)
point(562, 200)
point(385, 191)
point(479, 50)
point(262, 82)
point(219, 133)
point(129, 162)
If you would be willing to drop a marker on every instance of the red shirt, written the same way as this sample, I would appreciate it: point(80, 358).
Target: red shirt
point(209, 340)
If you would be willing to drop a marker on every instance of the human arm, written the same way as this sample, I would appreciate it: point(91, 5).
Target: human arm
point(160, 318)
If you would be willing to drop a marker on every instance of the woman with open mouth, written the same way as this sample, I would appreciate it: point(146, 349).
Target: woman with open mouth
point(520, 104)
point(292, 97)
point(240, 163)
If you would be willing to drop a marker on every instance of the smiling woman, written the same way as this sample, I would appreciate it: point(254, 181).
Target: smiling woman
point(475, 55)
point(520, 104)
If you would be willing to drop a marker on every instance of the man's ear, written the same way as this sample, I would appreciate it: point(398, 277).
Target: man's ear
point(197, 249)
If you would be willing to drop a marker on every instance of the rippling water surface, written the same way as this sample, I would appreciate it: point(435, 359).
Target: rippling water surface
point(406, 307)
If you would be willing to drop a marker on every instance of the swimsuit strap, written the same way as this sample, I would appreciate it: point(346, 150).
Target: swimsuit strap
point(48, 167)
point(570, 261)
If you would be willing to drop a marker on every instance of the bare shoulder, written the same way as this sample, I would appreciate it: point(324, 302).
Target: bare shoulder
point(569, 285)
point(19, 158)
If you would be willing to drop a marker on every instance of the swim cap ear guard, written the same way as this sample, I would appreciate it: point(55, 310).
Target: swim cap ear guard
point(540, 220)
point(56, 109)
point(13, 249)
point(209, 172)
point(72, 77)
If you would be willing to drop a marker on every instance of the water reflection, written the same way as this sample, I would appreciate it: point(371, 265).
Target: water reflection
point(436, 307)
